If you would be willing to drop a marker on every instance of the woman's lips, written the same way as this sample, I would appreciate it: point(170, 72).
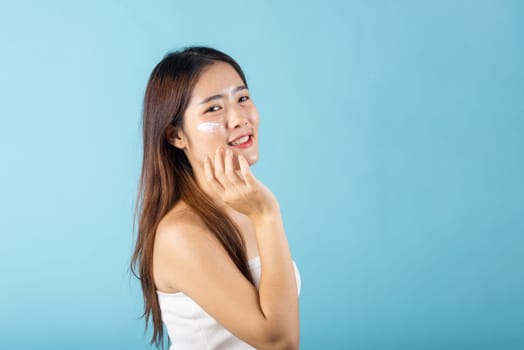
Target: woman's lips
point(246, 144)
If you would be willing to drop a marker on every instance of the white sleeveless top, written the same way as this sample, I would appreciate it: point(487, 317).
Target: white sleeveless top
point(190, 327)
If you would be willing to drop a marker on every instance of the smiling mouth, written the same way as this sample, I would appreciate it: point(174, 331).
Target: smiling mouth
point(241, 140)
point(248, 142)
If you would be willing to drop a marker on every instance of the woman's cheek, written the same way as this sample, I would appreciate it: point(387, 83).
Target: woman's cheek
point(253, 117)
point(210, 127)
point(215, 135)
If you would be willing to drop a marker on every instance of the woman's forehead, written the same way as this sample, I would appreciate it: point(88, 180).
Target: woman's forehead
point(219, 78)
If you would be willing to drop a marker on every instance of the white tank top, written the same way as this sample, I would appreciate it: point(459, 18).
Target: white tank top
point(190, 327)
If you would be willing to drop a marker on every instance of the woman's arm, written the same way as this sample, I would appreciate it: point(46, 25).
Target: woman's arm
point(200, 267)
point(242, 191)
point(194, 262)
point(277, 290)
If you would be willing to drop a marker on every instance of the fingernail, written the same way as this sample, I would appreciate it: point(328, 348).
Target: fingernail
point(229, 152)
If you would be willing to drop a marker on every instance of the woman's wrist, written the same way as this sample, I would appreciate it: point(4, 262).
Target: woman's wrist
point(271, 211)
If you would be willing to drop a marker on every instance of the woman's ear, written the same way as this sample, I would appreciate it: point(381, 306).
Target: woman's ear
point(176, 137)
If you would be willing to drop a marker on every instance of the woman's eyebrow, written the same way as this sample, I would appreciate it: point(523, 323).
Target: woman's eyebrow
point(214, 97)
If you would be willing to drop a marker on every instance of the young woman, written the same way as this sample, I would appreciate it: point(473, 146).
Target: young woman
point(212, 254)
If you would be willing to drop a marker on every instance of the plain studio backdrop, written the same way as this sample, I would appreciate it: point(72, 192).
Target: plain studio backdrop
point(391, 132)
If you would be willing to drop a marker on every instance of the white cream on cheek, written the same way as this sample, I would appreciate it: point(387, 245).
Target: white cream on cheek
point(210, 127)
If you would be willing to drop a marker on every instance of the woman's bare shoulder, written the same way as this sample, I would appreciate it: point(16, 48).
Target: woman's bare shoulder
point(180, 223)
point(179, 213)
point(180, 228)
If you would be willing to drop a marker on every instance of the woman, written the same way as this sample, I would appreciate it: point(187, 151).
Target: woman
point(207, 226)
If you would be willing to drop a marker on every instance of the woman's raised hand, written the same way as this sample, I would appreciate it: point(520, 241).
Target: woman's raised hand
point(238, 189)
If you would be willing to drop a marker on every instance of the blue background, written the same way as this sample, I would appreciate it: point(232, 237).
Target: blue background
point(391, 132)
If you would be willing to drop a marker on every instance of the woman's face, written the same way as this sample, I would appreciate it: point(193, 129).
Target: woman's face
point(220, 110)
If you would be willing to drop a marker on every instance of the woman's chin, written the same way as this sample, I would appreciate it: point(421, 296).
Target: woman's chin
point(252, 158)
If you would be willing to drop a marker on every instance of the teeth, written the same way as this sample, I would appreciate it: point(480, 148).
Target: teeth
point(239, 141)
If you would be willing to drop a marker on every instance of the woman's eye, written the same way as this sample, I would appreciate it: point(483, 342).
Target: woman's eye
point(212, 109)
point(244, 98)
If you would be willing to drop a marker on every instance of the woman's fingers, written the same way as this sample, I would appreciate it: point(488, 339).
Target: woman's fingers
point(246, 171)
point(239, 189)
point(220, 168)
point(230, 170)
point(210, 176)
point(220, 172)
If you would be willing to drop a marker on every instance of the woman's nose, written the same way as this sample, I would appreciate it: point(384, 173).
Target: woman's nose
point(237, 117)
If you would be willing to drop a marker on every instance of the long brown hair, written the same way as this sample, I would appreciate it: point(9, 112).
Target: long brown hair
point(167, 175)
